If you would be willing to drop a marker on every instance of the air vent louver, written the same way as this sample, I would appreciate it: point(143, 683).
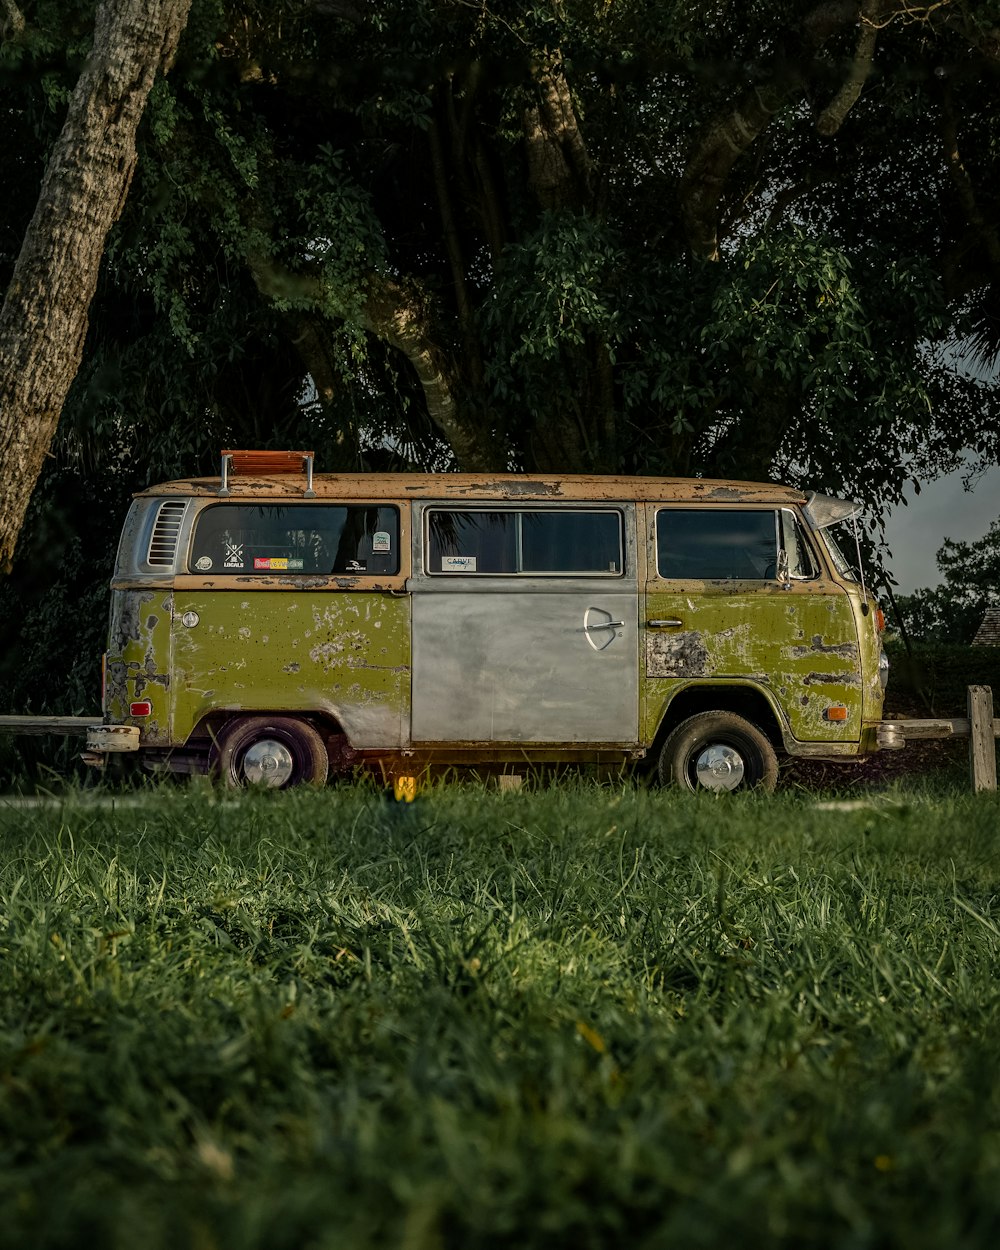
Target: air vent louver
point(166, 531)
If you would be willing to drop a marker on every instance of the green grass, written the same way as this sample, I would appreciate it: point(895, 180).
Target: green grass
point(579, 1017)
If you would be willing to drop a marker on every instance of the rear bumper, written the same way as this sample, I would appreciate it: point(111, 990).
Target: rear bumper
point(105, 739)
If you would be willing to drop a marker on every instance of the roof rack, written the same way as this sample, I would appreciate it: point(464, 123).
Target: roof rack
point(269, 463)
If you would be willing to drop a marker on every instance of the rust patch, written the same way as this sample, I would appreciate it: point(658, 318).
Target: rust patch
point(831, 679)
point(676, 655)
point(849, 650)
point(126, 625)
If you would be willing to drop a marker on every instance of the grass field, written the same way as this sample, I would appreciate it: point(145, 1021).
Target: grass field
point(581, 1017)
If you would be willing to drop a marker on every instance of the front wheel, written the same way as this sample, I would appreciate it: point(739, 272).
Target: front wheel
point(274, 751)
point(718, 751)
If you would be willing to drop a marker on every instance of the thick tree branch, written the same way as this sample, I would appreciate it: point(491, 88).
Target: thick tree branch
point(14, 23)
point(394, 314)
point(832, 117)
point(560, 170)
point(732, 133)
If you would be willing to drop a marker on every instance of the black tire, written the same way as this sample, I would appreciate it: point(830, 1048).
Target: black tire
point(720, 752)
point(276, 751)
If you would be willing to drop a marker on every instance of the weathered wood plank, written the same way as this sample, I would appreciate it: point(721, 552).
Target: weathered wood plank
point(956, 727)
point(38, 725)
point(982, 739)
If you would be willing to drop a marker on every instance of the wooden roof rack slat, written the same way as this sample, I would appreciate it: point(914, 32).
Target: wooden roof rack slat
point(269, 464)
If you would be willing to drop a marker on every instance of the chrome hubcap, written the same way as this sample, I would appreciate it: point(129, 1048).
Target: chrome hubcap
point(268, 763)
point(719, 767)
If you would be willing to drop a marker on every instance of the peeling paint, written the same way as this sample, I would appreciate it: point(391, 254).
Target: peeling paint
point(675, 655)
point(758, 636)
point(313, 641)
point(849, 650)
point(831, 679)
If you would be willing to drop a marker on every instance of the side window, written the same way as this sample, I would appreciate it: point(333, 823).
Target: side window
point(537, 543)
point(571, 542)
point(472, 542)
point(316, 539)
point(717, 545)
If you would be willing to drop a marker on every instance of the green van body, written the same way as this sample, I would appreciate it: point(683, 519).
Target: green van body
point(417, 665)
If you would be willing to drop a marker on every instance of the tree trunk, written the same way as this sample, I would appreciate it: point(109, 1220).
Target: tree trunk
point(43, 323)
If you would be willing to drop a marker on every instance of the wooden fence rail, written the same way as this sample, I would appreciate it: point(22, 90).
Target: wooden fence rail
point(979, 726)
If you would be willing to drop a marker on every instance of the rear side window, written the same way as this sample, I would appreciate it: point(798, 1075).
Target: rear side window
point(529, 543)
point(316, 539)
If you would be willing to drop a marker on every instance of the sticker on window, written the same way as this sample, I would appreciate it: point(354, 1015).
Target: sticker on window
point(234, 556)
point(458, 564)
point(381, 543)
point(277, 564)
point(357, 566)
point(203, 564)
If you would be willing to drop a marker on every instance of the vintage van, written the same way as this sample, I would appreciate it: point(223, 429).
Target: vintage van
point(274, 626)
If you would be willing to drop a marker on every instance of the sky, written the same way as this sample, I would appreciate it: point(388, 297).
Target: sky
point(943, 509)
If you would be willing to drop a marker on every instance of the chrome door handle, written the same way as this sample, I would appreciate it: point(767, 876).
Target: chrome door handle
point(657, 623)
point(605, 625)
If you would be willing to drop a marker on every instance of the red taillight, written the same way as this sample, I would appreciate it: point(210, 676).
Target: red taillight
point(880, 620)
point(142, 707)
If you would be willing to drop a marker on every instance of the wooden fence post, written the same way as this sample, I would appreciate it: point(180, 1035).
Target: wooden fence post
point(982, 743)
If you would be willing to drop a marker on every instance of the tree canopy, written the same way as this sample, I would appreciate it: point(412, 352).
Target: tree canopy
point(747, 238)
point(564, 234)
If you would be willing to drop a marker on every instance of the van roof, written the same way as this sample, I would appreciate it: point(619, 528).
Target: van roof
point(485, 486)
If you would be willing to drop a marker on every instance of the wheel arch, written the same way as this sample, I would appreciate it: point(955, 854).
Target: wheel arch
point(746, 699)
point(214, 722)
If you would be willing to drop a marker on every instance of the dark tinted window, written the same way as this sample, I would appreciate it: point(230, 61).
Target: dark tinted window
point(716, 545)
point(571, 542)
point(472, 542)
point(567, 542)
point(315, 539)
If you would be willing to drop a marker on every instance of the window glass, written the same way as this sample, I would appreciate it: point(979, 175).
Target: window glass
point(801, 565)
point(716, 545)
point(840, 561)
point(316, 539)
point(472, 542)
point(571, 542)
point(538, 543)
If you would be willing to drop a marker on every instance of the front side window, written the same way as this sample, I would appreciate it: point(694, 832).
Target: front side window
point(316, 539)
point(540, 543)
point(731, 544)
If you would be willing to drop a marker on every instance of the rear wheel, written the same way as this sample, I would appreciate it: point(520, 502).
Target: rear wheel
point(718, 751)
point(274, 751)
